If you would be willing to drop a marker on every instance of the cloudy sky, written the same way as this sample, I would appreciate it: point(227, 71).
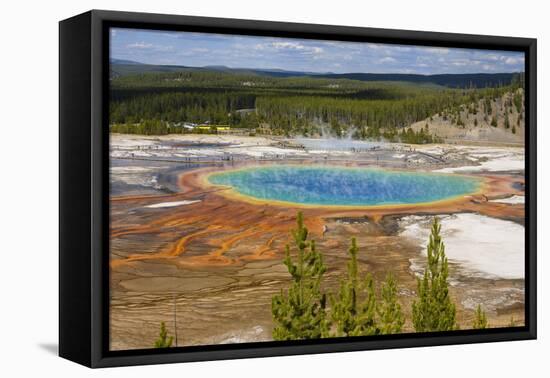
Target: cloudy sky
point(203, 49)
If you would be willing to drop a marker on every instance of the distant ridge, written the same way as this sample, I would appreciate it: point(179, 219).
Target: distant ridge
point(124, 61)
point(478, 80)
point(121, 67)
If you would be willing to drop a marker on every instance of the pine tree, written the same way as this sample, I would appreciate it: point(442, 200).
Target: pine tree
point(163, 341)
point(365, 322)
point(506, 121)
point(390, 317)
point(349, 316)
point(480, 319)
point(434, 310)
point(488, 108)
point(494, 121)
point(344, 304)
point(300, 313)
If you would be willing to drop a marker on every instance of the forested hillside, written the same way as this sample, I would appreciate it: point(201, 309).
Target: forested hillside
point(156, 103)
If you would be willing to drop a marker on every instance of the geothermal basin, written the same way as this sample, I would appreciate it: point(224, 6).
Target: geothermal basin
point(193, 234)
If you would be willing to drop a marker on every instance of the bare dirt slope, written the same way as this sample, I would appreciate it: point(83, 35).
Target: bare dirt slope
point(474, 122)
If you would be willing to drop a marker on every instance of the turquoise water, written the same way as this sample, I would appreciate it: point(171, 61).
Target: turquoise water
point(344, 186)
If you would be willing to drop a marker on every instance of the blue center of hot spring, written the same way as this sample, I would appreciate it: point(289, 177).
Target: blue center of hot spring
point(344, 186)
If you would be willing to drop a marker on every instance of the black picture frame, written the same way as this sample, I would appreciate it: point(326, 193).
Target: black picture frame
point(84, 188)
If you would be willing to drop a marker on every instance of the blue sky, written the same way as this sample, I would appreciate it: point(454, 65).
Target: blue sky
point(203, 49)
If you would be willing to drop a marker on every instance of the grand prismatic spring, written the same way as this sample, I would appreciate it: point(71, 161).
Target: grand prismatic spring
point(340, 186)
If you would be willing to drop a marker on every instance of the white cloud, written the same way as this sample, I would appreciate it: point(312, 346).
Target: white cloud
point(317, 50)
point(464, 62)
point(289, 46)
point(387, 59)
point(140, 45)
point(438, 50)
point(503, 59)
point(399, 48)
point(171, 35)
point(512, 61)
point(492, 57)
